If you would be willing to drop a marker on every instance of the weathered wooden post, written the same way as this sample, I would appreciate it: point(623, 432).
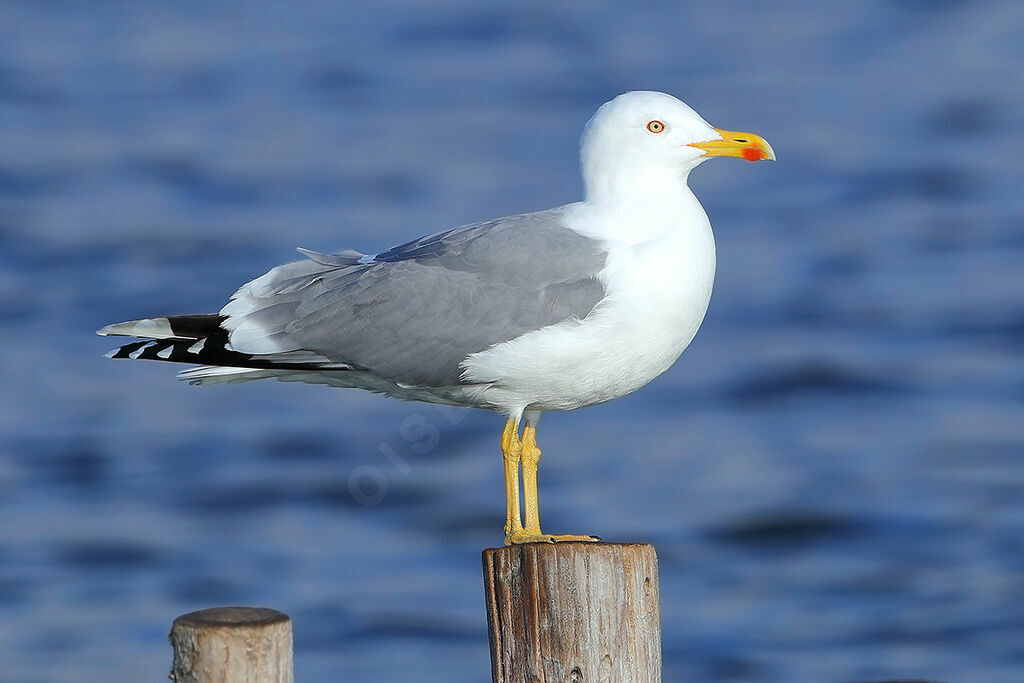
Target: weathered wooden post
point(232, 645)
point(573, 613)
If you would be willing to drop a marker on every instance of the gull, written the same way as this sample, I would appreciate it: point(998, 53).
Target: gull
point(545, 311)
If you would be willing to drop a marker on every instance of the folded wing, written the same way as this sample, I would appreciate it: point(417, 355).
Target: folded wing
point(411, 314)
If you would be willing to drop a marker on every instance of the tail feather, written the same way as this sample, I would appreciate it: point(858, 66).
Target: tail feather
point(201, 340)
point(211, 374)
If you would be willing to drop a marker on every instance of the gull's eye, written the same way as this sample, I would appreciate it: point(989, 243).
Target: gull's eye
point(655, 126)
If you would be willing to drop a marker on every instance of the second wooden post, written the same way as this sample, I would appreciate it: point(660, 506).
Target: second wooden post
point(232, 645)
point(574, 612)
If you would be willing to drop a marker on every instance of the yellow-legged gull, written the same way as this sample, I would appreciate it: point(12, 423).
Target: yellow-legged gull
point(543, 311)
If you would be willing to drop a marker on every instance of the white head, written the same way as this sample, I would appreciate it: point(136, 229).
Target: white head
point(645, 139)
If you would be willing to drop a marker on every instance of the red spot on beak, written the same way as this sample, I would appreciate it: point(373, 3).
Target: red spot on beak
point(753, 154)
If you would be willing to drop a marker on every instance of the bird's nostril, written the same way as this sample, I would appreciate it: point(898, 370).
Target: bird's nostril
point(741, 140)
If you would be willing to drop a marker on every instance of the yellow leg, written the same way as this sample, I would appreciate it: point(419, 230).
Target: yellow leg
point(510, 451)
point(530, 456)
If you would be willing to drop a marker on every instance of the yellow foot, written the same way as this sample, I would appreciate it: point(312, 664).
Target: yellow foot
point(520, 537)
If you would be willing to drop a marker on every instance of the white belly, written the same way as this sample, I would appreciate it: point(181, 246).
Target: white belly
point(658, 293)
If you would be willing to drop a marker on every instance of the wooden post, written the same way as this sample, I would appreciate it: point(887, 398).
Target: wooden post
point(232, 645)
point(573, 613)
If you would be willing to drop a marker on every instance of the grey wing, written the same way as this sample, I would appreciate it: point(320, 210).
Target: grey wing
point(413, 313)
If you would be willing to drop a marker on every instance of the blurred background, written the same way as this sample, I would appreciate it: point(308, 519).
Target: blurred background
point(833, 473)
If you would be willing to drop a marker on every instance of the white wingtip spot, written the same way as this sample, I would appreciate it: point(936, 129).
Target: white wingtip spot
point(198, 346)
point(164, 353)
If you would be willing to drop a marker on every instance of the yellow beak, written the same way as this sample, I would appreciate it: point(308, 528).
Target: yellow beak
point(736, 144)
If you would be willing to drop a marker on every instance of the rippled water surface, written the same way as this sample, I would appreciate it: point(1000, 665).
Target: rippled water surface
point(833, 472)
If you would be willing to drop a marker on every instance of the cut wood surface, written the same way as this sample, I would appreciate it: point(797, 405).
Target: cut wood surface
point(232, 645)
point(573, 613)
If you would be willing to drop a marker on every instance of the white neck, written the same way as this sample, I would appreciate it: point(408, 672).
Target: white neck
point(636, 207)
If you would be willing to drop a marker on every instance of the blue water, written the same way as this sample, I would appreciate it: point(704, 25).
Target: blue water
point(833, 473)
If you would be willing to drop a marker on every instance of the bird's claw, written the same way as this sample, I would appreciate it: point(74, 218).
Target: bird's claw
point(521, 537)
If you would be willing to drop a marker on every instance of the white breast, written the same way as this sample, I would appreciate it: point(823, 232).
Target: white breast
point(658, 292)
